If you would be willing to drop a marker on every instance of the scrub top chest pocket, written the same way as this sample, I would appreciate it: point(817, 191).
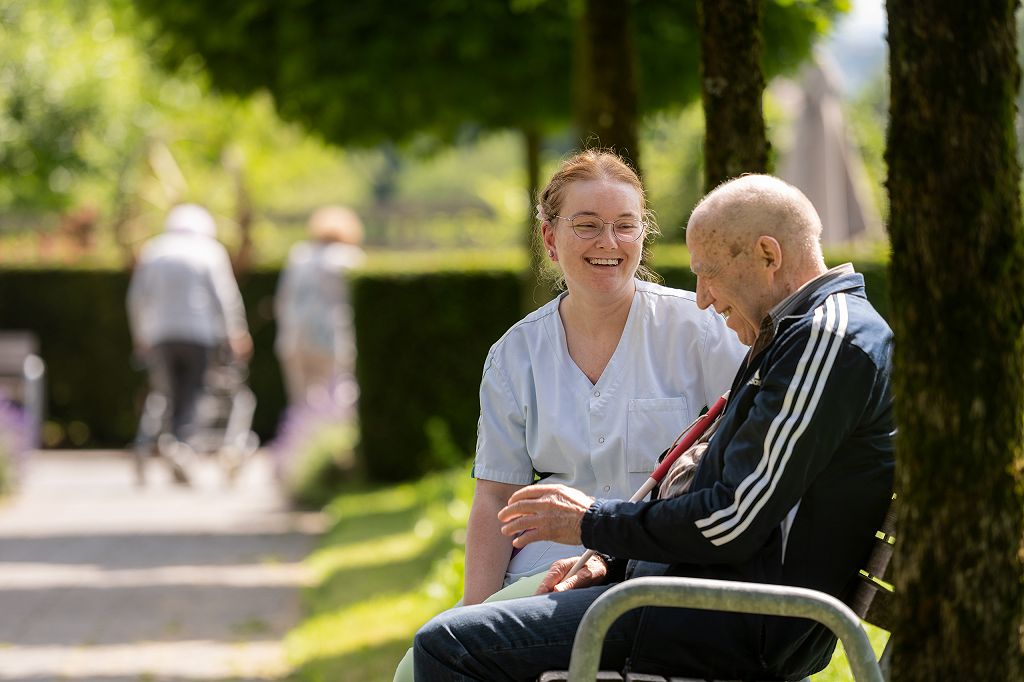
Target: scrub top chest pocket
point(651, 426)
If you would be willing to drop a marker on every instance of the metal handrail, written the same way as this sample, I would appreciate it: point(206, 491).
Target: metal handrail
point(720, 595)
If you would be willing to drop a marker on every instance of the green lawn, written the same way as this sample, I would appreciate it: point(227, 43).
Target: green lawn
point(391, 561)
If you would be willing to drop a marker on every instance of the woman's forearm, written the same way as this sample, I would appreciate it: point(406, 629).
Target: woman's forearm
point(487, 550)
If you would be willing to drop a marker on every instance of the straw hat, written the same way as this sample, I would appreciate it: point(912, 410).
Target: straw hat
point(336, 224)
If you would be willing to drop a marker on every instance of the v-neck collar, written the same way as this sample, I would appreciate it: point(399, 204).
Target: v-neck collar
point(614, 367)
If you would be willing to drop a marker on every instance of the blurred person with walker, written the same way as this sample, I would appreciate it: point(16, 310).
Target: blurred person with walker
point(183, 306)
point(315, 341)
point(587, 390)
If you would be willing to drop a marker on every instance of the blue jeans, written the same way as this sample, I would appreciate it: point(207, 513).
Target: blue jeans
point(514, 640)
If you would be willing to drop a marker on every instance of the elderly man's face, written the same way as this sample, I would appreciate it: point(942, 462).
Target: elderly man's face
point(729, 279)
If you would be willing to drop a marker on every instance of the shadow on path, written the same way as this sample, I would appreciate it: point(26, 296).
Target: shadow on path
point(101, 580)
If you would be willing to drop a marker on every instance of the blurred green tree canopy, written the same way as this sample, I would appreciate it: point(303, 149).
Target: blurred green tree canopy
point(361, 73)
point(87, 119)
point(64, 103)
point(103, 106)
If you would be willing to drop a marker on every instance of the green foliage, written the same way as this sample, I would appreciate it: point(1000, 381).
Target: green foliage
point(264, 372)
point(62, 103)
point(436, 67)
point(80, 320)
point(422, 337)
point(394, 558)
point(672, 147)
point(87, 120)
point(791, 27)
point(94, 389)
point(838, 669)
point(427, 66)
point(422, 340)
point(319, 463)
point(391, 561)
point(867, 115)
point(669, 44)
point(6, 472)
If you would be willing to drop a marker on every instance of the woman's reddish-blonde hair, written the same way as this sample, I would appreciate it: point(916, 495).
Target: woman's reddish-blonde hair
point(595, 164)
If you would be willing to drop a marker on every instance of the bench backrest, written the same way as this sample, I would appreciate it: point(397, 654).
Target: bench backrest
point(872, 600)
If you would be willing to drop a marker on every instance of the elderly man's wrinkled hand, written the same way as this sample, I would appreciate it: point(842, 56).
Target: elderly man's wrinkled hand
point(592, 573)
point(544, 512)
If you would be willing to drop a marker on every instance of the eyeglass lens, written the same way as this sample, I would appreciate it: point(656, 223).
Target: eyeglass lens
point(624, 229)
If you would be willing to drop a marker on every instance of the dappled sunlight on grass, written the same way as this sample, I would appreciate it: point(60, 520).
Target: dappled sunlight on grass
point(838, 669)
point(391, 561)
point(357, 504)
point(346, 586)
point(367, 554)
point(363, 624)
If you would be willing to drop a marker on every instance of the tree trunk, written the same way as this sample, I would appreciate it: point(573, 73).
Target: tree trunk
point(534, 292)
point(732, 85)
point(235, 166)
point(608, 93)
point(531, 144)
point(957, 277)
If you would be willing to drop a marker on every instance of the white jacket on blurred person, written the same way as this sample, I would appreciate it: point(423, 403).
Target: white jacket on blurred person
point(183, 288)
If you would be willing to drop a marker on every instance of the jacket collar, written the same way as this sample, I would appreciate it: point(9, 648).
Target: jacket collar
point(809, 295)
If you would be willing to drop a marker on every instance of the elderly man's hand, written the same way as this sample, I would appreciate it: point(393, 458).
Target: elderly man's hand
point(544, 512)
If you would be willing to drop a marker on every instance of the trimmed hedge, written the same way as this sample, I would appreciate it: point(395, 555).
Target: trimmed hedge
point(421, 338)
point(94, 387)
point(80, 320)
point(421, 343)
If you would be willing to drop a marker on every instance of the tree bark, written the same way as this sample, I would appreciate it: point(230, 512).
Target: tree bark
point(732, 86)
point(957, 275)
point(534, 292)
point(242, 258)
point(531, 144)
point(609, 107)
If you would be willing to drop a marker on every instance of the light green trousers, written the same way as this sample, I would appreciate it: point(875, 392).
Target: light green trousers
point(524, 587)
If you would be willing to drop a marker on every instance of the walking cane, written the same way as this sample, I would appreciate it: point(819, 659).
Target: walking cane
point(697, 429)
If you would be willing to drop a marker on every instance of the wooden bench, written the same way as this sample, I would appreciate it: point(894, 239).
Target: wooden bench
point(871, 602)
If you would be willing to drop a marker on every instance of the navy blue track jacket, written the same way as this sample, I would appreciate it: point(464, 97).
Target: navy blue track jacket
point(790, 491)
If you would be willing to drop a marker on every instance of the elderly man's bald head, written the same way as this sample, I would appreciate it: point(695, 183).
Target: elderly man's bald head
point(750, 206)
point(753, 241)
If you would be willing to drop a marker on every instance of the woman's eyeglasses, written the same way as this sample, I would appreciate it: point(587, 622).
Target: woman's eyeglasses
point(589, 226)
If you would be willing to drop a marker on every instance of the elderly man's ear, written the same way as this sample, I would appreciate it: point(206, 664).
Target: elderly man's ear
point(768, 252)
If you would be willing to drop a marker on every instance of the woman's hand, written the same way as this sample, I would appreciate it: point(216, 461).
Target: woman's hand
point(592, 573)
point(545, 512)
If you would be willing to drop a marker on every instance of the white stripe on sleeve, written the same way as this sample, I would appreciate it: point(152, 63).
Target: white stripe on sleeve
point(799, 404)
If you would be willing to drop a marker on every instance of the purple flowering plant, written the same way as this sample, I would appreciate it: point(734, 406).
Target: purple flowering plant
point(314, 450)
point(15, 443)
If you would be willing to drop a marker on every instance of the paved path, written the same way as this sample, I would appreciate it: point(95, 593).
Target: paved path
point(102, 581)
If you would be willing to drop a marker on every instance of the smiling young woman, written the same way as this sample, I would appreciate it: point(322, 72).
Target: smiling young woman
point(591, 387)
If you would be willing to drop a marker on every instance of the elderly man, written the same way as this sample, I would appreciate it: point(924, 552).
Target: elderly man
point(790, 490)
point(183, 304)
